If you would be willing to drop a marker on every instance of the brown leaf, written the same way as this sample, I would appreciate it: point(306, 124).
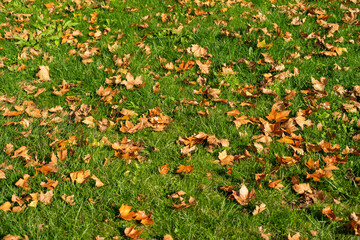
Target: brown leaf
point(186, 65)
point(355, 223)
point(330, 214)
point(62, 155)
point(43, 73)
point(226, 159)
point(11, 237)
point(48, 168)
point(302, 188)
point(9, 148)
point(132, 233)
point(243, 196)
point(23, 182)
point(276, 184)
point(278, 116)
point(46, 197)
point(51, 184)
point(130, 81)
point(98, 183)
point(241, 121)
point(259, 209)
point(296, 21)
point(177, 194)
point(68, 199)
point(2, 174)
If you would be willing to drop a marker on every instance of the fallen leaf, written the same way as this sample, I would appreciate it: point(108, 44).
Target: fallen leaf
point(330, 214)
point(6, 207)
point(126, 213)
point(164, 169)
point(243, 196)
point(80, 176)
point(132, 233)
point(259, 209)
point(185, 169)
point(43, 73)
point(98, 183)
point(68, 199)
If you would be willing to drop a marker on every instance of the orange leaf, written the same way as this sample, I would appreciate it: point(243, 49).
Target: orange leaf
point(164, 169)
point(6, 207)
point(185, 169)
point(126, 213)
point(132, 233)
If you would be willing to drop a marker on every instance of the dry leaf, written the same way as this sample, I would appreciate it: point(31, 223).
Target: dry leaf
point(43, 73)
point(80, 176)
point(164, 169)
point(98, 183)
point(132, 233)
point(243, 196)
point(259, 209)
point(185, 169)
point(330, 214)
point(68, 199)
point(6, 207)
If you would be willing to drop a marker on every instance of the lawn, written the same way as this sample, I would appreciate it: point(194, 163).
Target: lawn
point(217, 119)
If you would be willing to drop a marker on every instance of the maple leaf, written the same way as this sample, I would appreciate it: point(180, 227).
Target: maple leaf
point(186, 65)
point(168, 237)
point(23, 182)
point(302, 188)
point(126, 213)
point(48, 168)
point(43, 73)
point(6, 207)
point(296, 21)
point(242, 120)
point(204, 67)
point(144, 219)
point(355, 223)
point(164, 169)
point(130, 81)
point(243, 196)
point(226, 159)
point(183, 204)
point(330, 214)
point(185, 169)
point(46, 197)
point(276, 184)
point(132, 233)
point(2, 174)
point(80, 176)
point(98, 183)
point(51, 184)
point(13, 237)
point(9, 148)
point(177, 194)
point(68, 199)
point(259, 209)
point(278, 116)
point(197, 50)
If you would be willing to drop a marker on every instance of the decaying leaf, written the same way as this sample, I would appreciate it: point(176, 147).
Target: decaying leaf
point(243, 196)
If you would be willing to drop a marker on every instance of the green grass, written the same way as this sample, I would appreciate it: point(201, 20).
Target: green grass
point(213, 216)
